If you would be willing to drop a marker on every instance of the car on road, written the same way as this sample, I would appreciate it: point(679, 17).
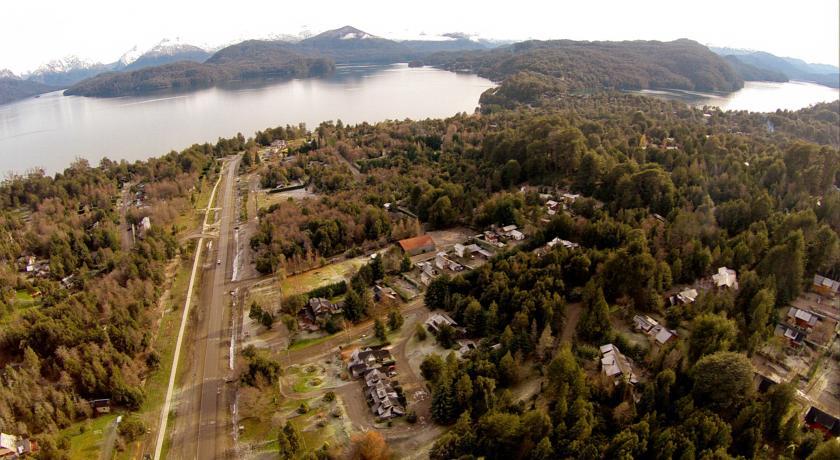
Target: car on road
point(218, 261)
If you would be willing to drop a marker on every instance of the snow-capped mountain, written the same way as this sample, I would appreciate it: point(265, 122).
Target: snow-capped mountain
point(65, 64)
point(168, 51)
point(129, 56)
point(6, 73)
point(66, 71)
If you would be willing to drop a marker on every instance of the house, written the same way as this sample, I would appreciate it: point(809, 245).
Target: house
point(417, 245)
point(802, 318)
point(565, 243)
point(569, 198)
point(145, 225)
point(684, 297)
point(30, 264)
point(427, 272)
point(470, 249)
point(552, 207)
point(511, 232)
point(445, 263)
point(13, 447)
point(364, 360)
point(101, 406)
point(465, 346)
point(816, 419)
point(725, 277)
point(825, 287)
point(382, 396)
point(793, 336)
point(508, 228)
point(687, 296)
point(664, 336)
point(320, 308)
point(438, 320)
point(616, 366)
point(645, 323)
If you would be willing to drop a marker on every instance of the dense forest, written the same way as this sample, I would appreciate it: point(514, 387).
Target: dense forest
point(79, 326)
point(670, 194)
point(680, 64)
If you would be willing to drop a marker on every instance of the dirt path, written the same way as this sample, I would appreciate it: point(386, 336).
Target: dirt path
point(125, 231)
point(107, 452)
point(570, 324)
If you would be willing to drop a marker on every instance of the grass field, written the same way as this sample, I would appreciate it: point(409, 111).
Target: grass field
point(265, 199)
point(21, 302)
point(333, 273)
point(86, 436)
point(299, 344)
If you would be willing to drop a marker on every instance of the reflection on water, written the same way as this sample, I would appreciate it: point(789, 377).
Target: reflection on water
point(52, 130)
point(757, 96)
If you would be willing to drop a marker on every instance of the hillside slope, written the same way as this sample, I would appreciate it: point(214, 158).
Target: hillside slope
point(680, 64)
point(251, 59)
point(14, 89)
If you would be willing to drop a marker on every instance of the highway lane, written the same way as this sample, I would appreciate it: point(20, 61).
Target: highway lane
point(164, 413)
point(212, 433)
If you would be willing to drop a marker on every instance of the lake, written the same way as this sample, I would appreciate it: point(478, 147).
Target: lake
point(52, 130)
point(757, 96)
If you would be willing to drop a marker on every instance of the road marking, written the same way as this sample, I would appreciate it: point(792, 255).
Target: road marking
point(167, 402)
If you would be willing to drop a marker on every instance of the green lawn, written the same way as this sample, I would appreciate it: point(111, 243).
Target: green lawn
point(86, 436)
point(317, 277)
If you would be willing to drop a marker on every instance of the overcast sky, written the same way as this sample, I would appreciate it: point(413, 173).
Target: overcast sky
point(33, 32)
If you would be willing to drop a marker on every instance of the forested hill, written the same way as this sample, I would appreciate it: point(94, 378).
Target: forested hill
point(565, 65)
point(249, 59)
point(750, 72)
point(13, 89)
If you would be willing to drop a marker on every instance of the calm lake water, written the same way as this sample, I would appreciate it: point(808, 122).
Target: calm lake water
point(758, 96)
point(52, 130)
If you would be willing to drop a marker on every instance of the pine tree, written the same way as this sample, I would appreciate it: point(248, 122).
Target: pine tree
point(395, 320)
point(545, 344)
point(293, 437)
point(285, 450)
point(594, 324)
point(405, 264)
point(379, 330)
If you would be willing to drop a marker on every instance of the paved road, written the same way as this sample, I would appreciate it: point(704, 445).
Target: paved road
point(164, 413)
point(214, 339)
point(201, 425)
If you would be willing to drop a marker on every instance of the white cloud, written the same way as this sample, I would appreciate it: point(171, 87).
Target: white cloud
point(34, 32)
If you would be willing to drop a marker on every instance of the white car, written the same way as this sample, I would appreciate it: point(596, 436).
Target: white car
point(218, 261)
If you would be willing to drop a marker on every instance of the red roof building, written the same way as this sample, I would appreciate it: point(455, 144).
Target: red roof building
point(417, 245)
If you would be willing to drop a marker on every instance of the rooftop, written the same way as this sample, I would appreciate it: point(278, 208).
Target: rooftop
point(410, 244)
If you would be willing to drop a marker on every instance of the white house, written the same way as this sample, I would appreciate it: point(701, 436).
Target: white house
point(725, 277)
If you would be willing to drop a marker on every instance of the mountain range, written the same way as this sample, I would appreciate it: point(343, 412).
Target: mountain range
point(13, 87)
point(310, 56)
point(790, 68)
point(170, 64)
